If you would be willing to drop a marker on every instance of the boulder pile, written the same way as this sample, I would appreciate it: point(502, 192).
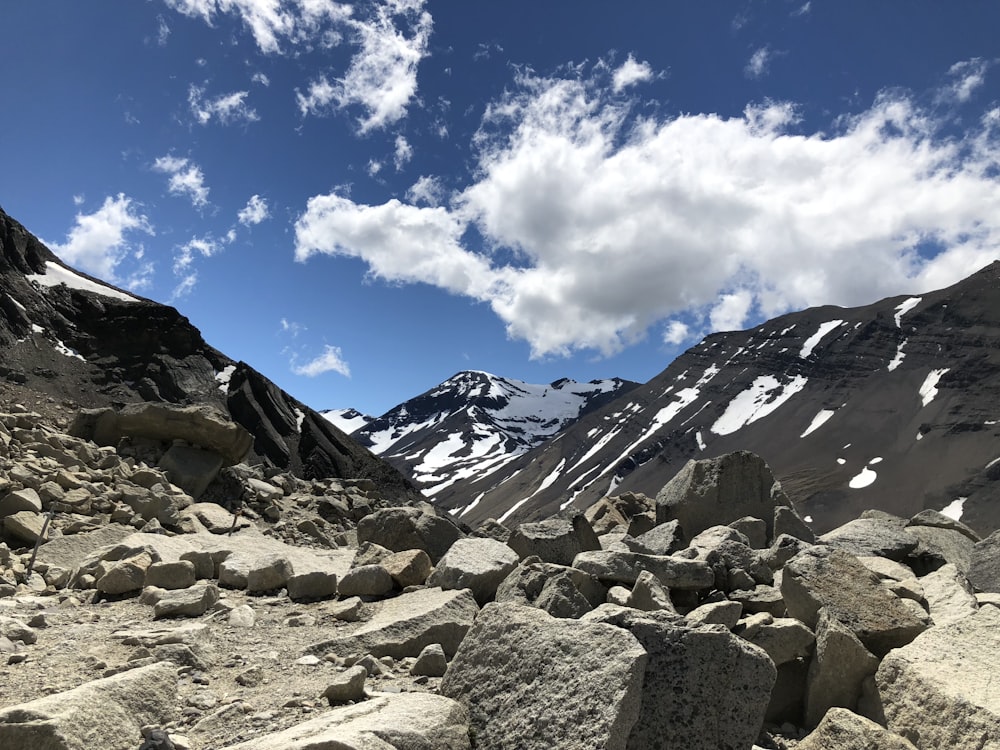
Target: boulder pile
point(275, 613)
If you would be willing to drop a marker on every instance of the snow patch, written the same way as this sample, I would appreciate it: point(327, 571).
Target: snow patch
point(929, 389)
point(954, 509)
point(66, 351)
point(824, 329)
point(818, 421)
point(223, 377)
point(865, 478)
point(898, 359)
point(300, 417)
point(55, 274)
point(701, 442)
point(904, 307)
point(764, 396)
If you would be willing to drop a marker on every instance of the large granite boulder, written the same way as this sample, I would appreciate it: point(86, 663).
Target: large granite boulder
point(624, 567)
point(400, 529)
point(948, 594)
point(844, 730)
point(559, 590)
point(719, 491)
point(475, 563)
point(838, 669)
point(535, 682)
point(556, 540)
point(984, 564)
point(864, 537)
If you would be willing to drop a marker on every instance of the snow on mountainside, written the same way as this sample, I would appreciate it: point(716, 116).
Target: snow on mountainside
point(346, 420)
point(895, 406)
point(474, 423)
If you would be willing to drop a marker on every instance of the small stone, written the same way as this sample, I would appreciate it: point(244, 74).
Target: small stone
point(251, 677)
point(309, 660)
point(242, 616)
point(349, 686)
point(431, 662)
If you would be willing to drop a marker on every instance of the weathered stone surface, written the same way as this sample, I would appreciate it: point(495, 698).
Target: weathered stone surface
point(432, 662)
point(24, 526)
point(984, 565)
point(788, 522)
point(268, 572)
point(400, 529)
point(533, 681)
point(704, 688)
point(404, 625)
point(215, 518)
point(936, 519)
point(189, 602)
point(624, 567)
point(408, 568)
point(716, 613)
point(178, 574)
point(408, 721)
point(663, 539)
point(821, 577)
point(106, 713)
point(125, 575)
point(839, 667)
point(474, 563)
point(760, 598)
point(650, 595)
point(940, 691)
point(940, 545)
point(784, 639)
point(754, 529)
point(560, 597)
point(784, 548)
point(316, 584)
point(190, 468)
point(18, 500)
point(556, 540)
point(843, 730)
point(720, 490)
point(347, 686)
point(865, 537)
point(366, 580)
point(948, 594)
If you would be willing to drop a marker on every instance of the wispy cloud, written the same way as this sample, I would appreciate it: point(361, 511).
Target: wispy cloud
point(615, 222)
point(226, 108)
point(758, 63)
point(98, 242)
point(403, 153)
point(428, 190)
point(186, 179)
point(630, 73)
point(382, 77)
point(331, 360)
point(803, 9)
point(965, 77)
point(255, 211)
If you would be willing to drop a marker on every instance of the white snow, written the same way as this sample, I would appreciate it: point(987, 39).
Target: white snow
point(65, 350)
point(929, 389)
point(807, 519)
point(818, 421)
point(841, 461)
point(300, 417)
point(56, 274)
point(35, 328)
point(339, 418)
point(994, 462)
point(546, 483)
point(876, 460)
point(862, 479)
point(223, 377)
point(685, 398)
point(904, 307)
point(764, 396)
point(810, 343)
point(473, 504)
point(898, 359)
point(954, 509)
point(701, 441)
point(920, 435)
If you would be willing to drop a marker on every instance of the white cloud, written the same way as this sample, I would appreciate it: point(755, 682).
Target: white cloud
point(184, 287)
point(630, 73)
point(274, 22)
point(331, 360)
point(759, 61)
point(428, 190)
point(610, 223)
point(226, 108)
point(162, 31)
point(98, 242)
point(676, 332)
point(403, 154)
point(803, 10)
point(254, 212)
point(261, 78)
point(291, 327)
point(186, 179)
point(382, 77)
point(374, 167)
point(205, 247)
point(967, 76)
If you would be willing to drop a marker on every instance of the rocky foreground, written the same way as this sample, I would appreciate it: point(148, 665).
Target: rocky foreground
point(177, 598)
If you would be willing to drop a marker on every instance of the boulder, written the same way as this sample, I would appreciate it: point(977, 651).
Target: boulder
point(18, 500)
point(556, 540)
point(474, 563)
point(704, 688)
point(407, 721)
point(366, 581)
point(312, 585)
point(788, 522)
point(405, 528)
point(431, 662)
point(839, 667)
point(125, 575)
point(24, 526)
point(106, 713)
point(843, 730)
point(948, 594)
point(984, 565)
point(215, 518)
point(404, 625)
point(268, 572)
point(650, 595)
point(663, 539)
point(347, 686)
point(715, 613)
point(178, 574)
point(754, 529)
point(190, 468)
point(624, 567)
point(718, 491)
point(822, 577)
point(533, 681)
point(940, 690)
point(559, 590)
point(67, 552)
point(408, 568)
point(866, 537)
point(784, 639)
point(193, 601)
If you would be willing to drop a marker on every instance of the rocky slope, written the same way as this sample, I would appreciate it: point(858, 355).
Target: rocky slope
point(474, 424)
point(69, 341)
point(895, 405)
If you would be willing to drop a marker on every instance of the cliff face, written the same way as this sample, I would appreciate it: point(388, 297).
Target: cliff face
point(69, 341)
point(895, 405)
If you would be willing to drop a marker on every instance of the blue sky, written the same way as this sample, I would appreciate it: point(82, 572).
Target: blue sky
point(362, 199)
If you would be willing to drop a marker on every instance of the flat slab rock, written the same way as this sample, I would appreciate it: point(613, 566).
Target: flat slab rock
point(536, 682)
point(404, 625)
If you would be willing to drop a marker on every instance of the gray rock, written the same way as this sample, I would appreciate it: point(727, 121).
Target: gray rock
point(556, 540)
point(408, 568)
point(560, 597)
point(314, 585)
point(404, 625)
point(787, 521)
point(474, 563)
point(716, 613)
point(431, 662)
point(24, 526)
point(939, 691)
point(15, 630)
point(865, 537)
point(242, 616)
point(949, 595)
point(720, 490)
point(400, 529)
point(178, 574)
point(624, 567)
point(367, 581)
point(703, 688)
point(234, 571)
point(18, 500)
point(538, 682)
point(126, 575)
point(938, 545)
point(105, 713)
point(784, 548)
point(190, 468)
point(268, 572)
point(525, 583)
point(839, 667)
point(754, 529)
point(663, 539)
point(189, 602)
point(492, 529)
point(760, 598)
point(68, 552)
point(843, 730)
point(784, 639)
point(408, 721)
point(984, 565)
point(821, 577)
point(650, 595)
point(935, 519)
point(347, 686)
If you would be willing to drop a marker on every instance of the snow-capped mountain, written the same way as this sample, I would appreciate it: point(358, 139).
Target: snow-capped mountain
point(475, 423)
point(346, 420)
point(895, 405)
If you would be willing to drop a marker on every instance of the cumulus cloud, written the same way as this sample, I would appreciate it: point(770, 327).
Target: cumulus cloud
point(966, 77)
point(428, 189)
point(583, 224)
point(254, 212)
point(226, 108)
point(759, 61)
point(273, 23)
point(98, 242)
point(331, 360)
point(186, 178)
point(630, 73)
point(403, 153)
point(382, 76)
point(676, 332)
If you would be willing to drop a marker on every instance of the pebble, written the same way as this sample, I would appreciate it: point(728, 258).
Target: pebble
point(309, 660)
